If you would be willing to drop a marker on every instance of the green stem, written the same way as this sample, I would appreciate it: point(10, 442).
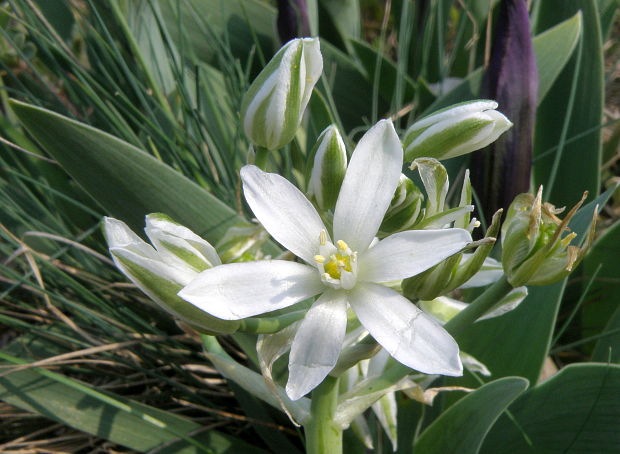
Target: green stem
point(260, 158)
point(323, 435)
point(478, 307)
point(269, 325)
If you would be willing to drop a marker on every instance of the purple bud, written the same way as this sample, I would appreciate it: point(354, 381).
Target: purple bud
point(502, 170)
point(292, 20)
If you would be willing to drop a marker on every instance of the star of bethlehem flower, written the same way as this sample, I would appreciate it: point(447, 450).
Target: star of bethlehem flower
point(346, 269)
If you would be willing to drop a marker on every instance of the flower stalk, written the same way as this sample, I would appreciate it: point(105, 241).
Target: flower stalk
point(457, 326)
point(323, 435)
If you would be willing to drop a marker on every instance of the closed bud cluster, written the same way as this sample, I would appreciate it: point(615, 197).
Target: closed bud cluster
point(534, 252)
point(274, 105)
point(453, 272)
point(178, 256)
point(455, 131)
point(330, 166)
point(436, 214)
point(459, 268)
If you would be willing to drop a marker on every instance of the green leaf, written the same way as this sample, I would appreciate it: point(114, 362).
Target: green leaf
point(351, 89)
point(340, 20)
point(145, 31)
point(553, 49)
point(127, 182)
point(608, 10)
point(603, 312)
point(206, 25)
point(516, 343)
point(388, 75)
point(572, 107)
point(461, 429)
point(576, 411)
point(128, 423)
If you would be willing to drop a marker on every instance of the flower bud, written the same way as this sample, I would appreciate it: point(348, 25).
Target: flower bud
point(242, 242)
point(455, 131)
point(444, 308)
point(162, 271)
point(405, 208)
point(274, 105)
point(436, 215)
point(453, 272)
point(330, 165)
point(533, 249)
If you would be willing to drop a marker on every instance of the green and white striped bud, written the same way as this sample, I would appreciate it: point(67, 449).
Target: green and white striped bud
point(330, 165)
point(162, 271)
point(405, 209)
point(274, 104)
point(455, 130)
point(444, 308)
point(241, 242)
point(533, 249)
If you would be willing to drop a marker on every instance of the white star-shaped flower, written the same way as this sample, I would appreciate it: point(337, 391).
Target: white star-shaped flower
point(342, 268)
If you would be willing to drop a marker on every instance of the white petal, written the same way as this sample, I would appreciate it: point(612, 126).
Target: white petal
point(368, 186)
point(240, 290)
point(409, 253)
point(314, 68)
point(156, 267)
point(411, 336)
point(277, 108)
point(455, 113)
point(284, 211)
point(119, 235)
point(317, 344)
point(156, 223)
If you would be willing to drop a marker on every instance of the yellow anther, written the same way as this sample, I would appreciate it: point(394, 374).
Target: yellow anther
point(341, 263)
point(319, 259)
point(323, 238)
point(342, 245)
point(476, 224)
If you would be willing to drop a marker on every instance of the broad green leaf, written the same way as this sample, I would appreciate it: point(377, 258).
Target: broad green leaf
point(462, 428)
point(602, 314)
point(127, 182)
point(351, 89)
point(388, 75)
point(340, 20)
point(145, 31)
point(516, 343)
point(576, 411)
point(58, 15)
point(553, 48)
point(577, 99)
point(205, 25)
point(122, 421)
point(608, 10)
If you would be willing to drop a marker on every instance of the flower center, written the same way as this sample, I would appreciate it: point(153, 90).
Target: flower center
point(336, 264)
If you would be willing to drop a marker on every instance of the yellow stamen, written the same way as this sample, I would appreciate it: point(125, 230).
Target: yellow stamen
point(319, 259)
point(323, 238)
point(342, 245)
